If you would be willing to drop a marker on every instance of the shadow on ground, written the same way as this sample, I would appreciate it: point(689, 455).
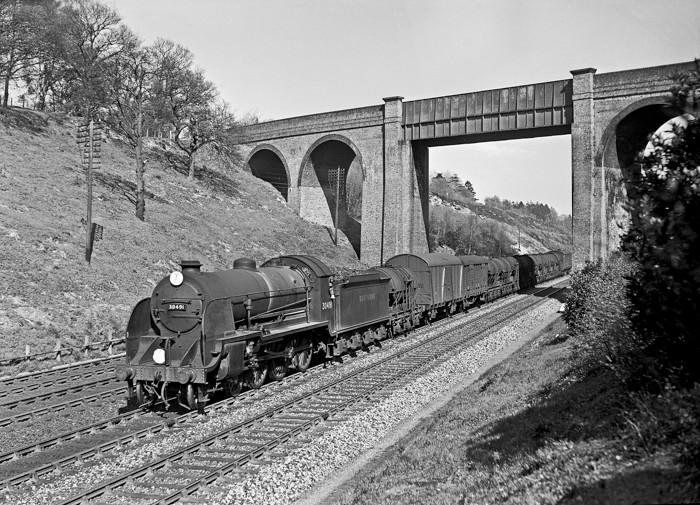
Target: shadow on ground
point(637, 486)
point(573, 412)
point(210, 178)
point(561, 295)
point(584, 410)
point(123, 187)
point(24, 119)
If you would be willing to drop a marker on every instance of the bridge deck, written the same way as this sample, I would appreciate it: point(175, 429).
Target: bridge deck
point(543, 105)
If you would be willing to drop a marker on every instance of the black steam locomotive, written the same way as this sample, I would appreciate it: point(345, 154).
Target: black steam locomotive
point(202, 332)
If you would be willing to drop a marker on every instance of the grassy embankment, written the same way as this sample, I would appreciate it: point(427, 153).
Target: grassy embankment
point(49, 291)
point(533, 429)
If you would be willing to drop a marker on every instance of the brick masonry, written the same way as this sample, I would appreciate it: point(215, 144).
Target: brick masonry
point(601, 103)
point(394, 204)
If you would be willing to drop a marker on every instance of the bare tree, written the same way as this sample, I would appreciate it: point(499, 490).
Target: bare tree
point(192, 115)
point(130, 80)
point(47, 76)
point(94, 36)
point(189, 102)
point(19, 41)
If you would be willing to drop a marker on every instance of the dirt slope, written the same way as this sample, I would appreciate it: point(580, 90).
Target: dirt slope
point(49, 291)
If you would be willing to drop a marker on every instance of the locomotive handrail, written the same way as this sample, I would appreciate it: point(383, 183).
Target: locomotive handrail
point(263, 294)
point(273, 313)
point(279, 309)
point(242, 299)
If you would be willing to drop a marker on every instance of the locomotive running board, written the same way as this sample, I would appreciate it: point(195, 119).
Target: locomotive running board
point(295, 328)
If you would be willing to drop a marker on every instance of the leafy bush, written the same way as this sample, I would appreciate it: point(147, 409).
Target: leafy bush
point(664, 240)
point(596, 314)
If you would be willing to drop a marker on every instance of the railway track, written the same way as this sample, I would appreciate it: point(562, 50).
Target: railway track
point(26, 397)
point(53, 408)
point(27, 407)
point(57, 375)
point(227, 451)
point(97, 438)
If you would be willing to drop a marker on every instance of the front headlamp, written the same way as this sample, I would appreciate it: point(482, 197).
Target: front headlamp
point(159, 356)
point(176, 278)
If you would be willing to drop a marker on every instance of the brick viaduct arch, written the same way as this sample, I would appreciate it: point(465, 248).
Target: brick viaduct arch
point(267, 169)
point(608, 116)
point(318, 189)
point(328, 138)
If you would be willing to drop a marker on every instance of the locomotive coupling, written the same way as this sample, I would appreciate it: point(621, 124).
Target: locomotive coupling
point(124, 373)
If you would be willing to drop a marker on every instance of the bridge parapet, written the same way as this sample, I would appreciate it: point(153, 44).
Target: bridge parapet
point(324, 122)
point(639, 81)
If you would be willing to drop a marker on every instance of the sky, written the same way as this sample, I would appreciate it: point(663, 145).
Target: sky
point(286, 58)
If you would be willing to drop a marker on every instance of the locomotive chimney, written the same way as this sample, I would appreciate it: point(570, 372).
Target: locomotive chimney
point(245, 264)
point(190, 265)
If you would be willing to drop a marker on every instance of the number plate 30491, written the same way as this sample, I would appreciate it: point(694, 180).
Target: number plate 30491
point(177, 307)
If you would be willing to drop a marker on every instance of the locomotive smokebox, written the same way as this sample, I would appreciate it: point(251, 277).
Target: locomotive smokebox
point(190, 265)
point(245, 264)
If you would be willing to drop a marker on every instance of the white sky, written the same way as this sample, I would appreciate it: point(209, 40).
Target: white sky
point(285, 58)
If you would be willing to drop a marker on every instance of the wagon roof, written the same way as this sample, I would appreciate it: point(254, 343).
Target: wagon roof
point(430, 259)
point(473, 260)
point(397, 273)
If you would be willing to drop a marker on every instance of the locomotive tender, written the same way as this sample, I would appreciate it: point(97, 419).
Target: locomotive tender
point(202, 332)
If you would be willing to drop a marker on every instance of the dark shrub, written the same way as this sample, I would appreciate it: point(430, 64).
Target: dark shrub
point(596, 314)
point(664, 241)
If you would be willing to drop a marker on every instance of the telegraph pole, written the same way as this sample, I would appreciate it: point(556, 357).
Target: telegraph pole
point(88, 235)
point(90, 140)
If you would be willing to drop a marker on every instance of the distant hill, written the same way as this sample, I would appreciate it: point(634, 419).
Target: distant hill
point(459, 223)
point(49, 291)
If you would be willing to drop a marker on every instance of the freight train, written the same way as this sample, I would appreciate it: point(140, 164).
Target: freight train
point(204, 332)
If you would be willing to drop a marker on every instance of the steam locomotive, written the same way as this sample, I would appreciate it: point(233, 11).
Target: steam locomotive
point(203, 332)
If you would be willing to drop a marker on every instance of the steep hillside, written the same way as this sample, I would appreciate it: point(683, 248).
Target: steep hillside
point(49, 291)
point(532, 235)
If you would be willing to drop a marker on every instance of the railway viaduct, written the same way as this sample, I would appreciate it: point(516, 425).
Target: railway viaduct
point(609, 117)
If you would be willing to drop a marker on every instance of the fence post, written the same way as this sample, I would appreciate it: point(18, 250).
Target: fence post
point(86, 345)
point(27, 352)
point(57, 349)
point(110, 347)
